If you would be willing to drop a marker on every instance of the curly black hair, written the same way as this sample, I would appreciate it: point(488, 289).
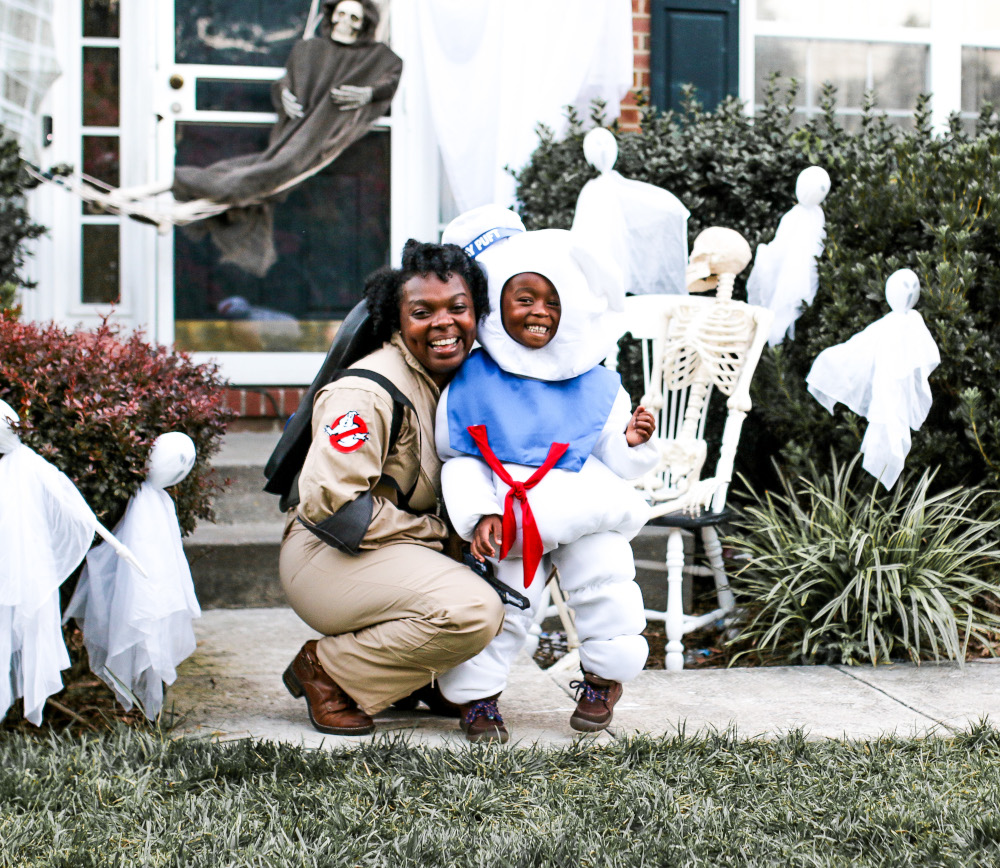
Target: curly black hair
point(384, 287)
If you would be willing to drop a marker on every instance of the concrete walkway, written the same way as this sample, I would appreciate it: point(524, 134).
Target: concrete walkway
point(231, 688)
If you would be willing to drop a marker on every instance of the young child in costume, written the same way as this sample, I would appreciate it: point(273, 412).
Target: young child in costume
point(534, 417)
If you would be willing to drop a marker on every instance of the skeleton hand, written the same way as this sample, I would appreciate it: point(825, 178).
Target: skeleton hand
point(700, 496)
point(291, 105)
point(351, 96)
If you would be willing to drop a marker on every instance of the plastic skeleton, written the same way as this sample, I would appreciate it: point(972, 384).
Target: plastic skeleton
point(881, 373)
point(641, 227)
point(137, 629)
point(46, 528)
point(784, 273)
point(707, 343)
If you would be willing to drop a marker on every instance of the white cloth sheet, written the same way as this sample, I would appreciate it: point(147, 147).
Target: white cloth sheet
point(495, 70)
point(46, 528)
point(882, 374)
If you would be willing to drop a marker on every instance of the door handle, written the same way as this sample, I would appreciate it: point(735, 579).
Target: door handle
point(176, 81)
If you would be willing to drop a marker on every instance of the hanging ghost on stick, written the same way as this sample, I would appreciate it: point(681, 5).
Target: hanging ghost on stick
point(46, 529)
point(137, 628)
point(882, 374)
point(784, 273)
point(640, 226)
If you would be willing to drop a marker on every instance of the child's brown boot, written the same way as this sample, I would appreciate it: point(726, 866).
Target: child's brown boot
point(595, 702)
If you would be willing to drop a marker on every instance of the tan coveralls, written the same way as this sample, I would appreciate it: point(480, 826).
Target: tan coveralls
point(396, 612)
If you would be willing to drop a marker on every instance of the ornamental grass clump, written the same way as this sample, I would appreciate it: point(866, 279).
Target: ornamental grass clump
point(837, 573)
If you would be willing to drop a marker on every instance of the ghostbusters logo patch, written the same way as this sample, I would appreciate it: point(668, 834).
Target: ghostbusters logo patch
point(348, 433)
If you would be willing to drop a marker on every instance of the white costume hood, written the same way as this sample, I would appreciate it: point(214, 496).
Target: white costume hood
point(591, 297)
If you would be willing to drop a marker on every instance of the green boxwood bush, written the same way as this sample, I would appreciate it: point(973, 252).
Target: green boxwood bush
point(899, 198)
point(93, 401)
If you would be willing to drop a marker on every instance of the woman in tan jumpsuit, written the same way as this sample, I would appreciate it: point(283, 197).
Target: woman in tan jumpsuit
point(361, 559)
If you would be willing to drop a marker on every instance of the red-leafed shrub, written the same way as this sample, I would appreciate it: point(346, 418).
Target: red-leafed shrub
point(93, 402)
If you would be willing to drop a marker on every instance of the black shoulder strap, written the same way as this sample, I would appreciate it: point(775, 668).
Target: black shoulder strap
point(399, 404)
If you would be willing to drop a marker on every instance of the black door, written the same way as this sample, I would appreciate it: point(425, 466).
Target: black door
point(694, 42)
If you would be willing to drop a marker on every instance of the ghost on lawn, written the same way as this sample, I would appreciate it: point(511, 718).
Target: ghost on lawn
point(137, 629)
point(784, 272)
point(46, 528)
point(640, 226)
point(881, 373)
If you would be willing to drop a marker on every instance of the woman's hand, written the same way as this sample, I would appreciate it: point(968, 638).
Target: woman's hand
point(640, 427)
point(489, 525)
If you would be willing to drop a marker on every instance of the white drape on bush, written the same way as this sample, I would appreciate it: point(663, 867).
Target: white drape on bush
point(46, 528)
point(495, 69)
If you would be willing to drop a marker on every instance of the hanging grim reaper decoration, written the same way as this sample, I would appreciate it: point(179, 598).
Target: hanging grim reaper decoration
point(336, 85)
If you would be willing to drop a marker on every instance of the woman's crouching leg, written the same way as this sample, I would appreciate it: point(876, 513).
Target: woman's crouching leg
point(393, 618)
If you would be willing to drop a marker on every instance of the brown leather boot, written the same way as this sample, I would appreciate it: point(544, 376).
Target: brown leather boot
point(595, 702)
point(481, 721)
point(331, 710)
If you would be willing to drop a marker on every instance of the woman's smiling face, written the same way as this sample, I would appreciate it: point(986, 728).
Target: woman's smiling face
point(529, 309)
point(437, 321)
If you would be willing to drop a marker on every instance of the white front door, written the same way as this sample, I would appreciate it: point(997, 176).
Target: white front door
point(212, 97)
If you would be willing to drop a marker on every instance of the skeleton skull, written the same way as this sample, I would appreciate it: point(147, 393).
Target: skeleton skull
point(8, 437)
point(347, 19)
point(716, 251)
point(902, 290)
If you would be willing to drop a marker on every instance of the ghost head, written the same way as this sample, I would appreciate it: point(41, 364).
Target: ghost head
point(812, 185)
point(170, 459)
point(902, 290)
point(8, 437)
point(600, 148)
point(717, 251)
point(347, 19)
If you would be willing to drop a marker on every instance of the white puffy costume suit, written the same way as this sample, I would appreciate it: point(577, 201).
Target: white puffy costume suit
point(585, 514)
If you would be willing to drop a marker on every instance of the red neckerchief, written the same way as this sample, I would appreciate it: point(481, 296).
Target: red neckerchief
point(532, 547)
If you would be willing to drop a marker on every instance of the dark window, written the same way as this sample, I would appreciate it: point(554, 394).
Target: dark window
point(100, 264)
point(100, 18)
point(232, 95)
point(238, 32)
point(100, 87)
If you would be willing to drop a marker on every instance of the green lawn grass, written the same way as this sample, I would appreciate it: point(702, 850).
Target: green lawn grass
point(133, 797)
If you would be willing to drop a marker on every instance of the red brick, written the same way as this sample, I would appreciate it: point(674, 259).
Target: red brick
point(641, 61)
point(640, 24)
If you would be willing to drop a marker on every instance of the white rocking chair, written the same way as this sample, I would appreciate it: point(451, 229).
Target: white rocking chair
point(695, 350)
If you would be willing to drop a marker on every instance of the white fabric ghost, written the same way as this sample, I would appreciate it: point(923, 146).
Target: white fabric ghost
point(137, 629)
point(784, 272)
point(881, 373)
point(640, 226)
point(46, 528)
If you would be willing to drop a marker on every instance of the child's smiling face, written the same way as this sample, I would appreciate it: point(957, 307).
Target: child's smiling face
point(529, 309)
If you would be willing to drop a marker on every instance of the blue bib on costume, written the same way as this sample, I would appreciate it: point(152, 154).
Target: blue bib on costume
point(524, 417)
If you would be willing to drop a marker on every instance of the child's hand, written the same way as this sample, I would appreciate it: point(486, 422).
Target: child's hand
point(489, 525)
point(640, 427)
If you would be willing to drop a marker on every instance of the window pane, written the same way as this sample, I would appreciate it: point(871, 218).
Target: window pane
point(238, 32)
point(100, 87)
point(980, 77)
point(896, 72)
point(100, 264)
point(230, 95)
point(330, 233)
point(101, 157)
point(100, 18)
point(858, 15)
point(982, 15)
point(784, 57)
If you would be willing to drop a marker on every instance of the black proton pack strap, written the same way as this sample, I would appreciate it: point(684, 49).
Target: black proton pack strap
point(346, 528)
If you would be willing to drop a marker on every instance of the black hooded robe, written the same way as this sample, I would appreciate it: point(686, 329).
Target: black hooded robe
point(297, 146)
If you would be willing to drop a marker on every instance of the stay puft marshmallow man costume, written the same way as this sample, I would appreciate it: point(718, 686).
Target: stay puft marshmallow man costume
point(583, 509)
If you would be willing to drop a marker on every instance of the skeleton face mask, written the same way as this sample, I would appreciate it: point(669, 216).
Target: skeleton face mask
point(347, 19)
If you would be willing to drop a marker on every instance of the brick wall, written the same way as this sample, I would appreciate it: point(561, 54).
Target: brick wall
point(257, 406)
point(640, 71)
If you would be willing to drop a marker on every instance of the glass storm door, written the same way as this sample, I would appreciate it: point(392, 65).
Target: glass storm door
point(220, 58)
